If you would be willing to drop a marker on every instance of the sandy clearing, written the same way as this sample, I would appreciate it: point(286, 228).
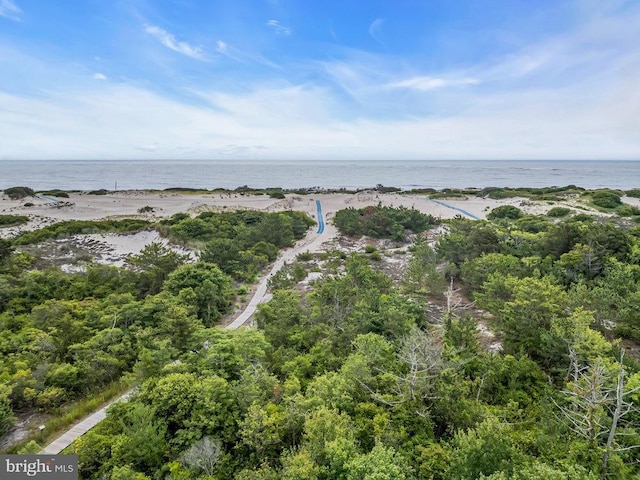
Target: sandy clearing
point(82, 206)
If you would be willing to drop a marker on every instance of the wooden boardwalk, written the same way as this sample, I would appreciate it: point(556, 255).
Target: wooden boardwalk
point(82, 427)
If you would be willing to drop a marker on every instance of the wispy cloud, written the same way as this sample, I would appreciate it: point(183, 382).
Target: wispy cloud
point(169, 40)
point(10, 10)
point(278, 28)
point(223, 48)
point(99, 76)
point(426, 83)
point(374, 29)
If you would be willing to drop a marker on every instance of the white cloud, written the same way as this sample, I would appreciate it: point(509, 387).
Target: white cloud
point(10, 10)
point(99, 76)
point(425, 83)
point(278, 28)
point(169, 40)
point(122, 121)
point(569, 96)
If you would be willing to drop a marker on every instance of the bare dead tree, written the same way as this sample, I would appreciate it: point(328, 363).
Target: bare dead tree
point(597, 405)
point(421, 354)
point(203, 455)
point(622, 408)
point(588, 396)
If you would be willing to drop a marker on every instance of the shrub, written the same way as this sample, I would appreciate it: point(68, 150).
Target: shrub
point(627, 211)
point(16, 193)
point(6, 414)
point(633, 193)
point(305, 256)
point(11, 220)
point(102, 191)
point(557, 212)
point(74, 227)
point(582, 217)
point(369, 249)
point(381, 221)
point(505, 211)
point(532, 224)
point(276, 194)
point(55, 193)
point(606, 199)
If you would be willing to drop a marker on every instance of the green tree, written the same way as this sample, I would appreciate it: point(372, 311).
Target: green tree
point(191, 407)
point(157, 262)
point(263, 430)
point(475, 272)
point(298, 464)
point(6, 249)
point(142, 442)
point(422, 275)
point(525, 308)
point(6, 414)
point(486, 449)
point(224, 252)
point(212, 288)
point(381, 463)
point(329, 439)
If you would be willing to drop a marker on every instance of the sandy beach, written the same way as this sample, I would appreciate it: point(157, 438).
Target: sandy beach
point(157, 205)
point(82, 206)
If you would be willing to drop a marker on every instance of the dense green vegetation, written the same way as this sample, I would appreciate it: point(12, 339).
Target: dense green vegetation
point(68, 336)
point(382, 221)
point(240, 243)
point(356, 378)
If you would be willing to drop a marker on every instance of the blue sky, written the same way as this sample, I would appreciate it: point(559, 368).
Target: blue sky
point(333, 79)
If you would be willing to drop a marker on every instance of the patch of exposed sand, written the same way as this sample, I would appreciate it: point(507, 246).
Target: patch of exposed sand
point(82, 206)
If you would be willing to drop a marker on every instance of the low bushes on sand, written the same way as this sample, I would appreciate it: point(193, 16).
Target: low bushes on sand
point(557, 212)
point(12, 220)
point(505, 211)
point(16, 193)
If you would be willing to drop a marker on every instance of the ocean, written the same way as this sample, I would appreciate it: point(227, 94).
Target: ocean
point(229, 174)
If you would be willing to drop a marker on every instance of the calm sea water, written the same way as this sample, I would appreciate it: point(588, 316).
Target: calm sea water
point(210, 174)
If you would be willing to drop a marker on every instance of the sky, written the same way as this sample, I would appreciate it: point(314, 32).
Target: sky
point(320, 79)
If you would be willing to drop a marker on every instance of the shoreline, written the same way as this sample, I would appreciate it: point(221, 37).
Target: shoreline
point(332, 174)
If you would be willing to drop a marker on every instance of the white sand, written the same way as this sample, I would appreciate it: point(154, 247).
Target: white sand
point(82, 206)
